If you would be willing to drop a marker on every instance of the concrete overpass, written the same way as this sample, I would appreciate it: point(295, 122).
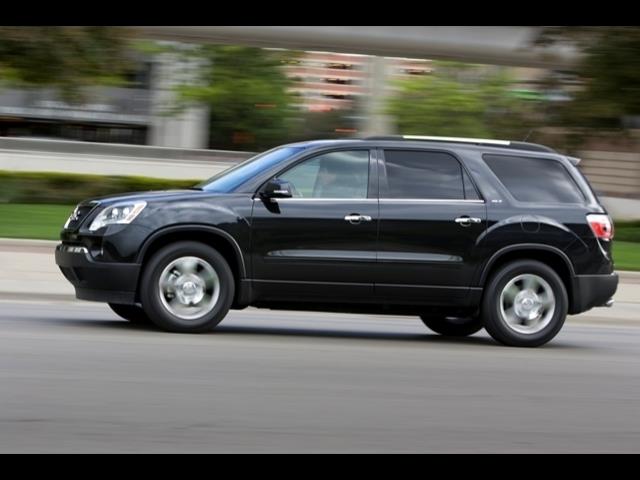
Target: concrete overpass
point(509, 46)
point(490, 45)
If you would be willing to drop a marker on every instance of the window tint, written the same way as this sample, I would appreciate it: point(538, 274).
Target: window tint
point(429, 175)
point(535, 179)
point(342, 174)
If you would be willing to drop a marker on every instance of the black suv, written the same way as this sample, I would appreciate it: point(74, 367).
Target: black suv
point(464, 233)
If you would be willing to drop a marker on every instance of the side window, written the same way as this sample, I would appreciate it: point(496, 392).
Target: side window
point(426, 175)
point(343, 174)
point(535, 179)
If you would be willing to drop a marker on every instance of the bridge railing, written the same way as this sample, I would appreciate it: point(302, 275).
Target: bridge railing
point(119, 150)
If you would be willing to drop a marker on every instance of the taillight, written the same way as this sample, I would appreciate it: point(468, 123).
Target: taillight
point(601, 225)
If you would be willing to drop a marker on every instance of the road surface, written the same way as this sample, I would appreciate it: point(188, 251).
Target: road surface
point(75, 378)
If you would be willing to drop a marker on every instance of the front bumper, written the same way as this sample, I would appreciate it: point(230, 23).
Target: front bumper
point(593, 291)
point(97, 281)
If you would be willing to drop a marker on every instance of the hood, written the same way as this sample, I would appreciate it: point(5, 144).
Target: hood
point(150, 196)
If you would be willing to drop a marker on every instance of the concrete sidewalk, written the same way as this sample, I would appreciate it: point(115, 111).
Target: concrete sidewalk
point(30, 273)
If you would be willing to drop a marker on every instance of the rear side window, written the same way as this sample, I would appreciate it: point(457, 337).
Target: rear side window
point(425, 175)
point(535, 179)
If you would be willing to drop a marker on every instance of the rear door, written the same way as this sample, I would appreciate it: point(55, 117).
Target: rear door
point(431, 216)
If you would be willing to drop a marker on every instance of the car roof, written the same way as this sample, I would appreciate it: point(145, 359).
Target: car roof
point(468, 141)
point(429, 141)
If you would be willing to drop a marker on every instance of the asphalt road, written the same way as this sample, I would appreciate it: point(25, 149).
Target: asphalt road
point(75, 378)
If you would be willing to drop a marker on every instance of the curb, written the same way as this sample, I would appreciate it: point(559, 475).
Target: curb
point(27, 242)
point(23, 297)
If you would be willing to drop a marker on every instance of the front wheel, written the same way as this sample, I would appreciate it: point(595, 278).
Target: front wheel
point(187, 287)
point(525, 304)
point(453, 326)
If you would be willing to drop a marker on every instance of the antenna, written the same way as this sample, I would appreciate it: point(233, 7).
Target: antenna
point(528, 135)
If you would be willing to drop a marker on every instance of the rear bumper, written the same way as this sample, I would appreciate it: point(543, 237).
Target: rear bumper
point(593, 291)
point(97, 281)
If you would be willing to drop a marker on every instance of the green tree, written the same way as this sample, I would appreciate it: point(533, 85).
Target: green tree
point(436, 106)
point(509, 113)
point(461, 100)
point(67, 58)
point(336, 123)
point(609, 69)
point(247, 91)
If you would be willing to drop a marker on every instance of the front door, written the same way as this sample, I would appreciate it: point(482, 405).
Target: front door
point(431, 216)
point(321, 243)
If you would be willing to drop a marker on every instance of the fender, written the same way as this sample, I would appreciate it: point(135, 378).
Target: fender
point(523, 246)
point(182, 227)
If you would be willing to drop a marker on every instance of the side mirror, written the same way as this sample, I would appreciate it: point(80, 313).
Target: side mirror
point(277, 189)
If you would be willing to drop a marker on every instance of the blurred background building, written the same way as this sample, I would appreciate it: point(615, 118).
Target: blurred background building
point(326, 81)
point(132, 114)
point(114, 115)
point(136, 114)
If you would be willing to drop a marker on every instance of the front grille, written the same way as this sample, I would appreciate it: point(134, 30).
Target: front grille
point(79, 215)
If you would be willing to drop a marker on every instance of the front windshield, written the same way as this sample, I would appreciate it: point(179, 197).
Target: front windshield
point(230, 179)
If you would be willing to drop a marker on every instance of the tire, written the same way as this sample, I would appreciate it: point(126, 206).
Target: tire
point(510, 325)
point(198, 288)
point(453, 326)
point(132, 313)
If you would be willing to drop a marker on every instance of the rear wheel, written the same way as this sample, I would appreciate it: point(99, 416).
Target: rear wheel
point(132, 313)
point(452, 326)
point(187, 287)
point(525, 304)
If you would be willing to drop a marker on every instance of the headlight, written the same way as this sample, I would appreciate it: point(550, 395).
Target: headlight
point(120, 213)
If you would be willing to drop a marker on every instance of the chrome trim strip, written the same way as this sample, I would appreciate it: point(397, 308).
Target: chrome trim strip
point(391, 200)
point(323, 255)
point(325, 199)
point(361, 256)
point(429, 200)
point(74, 249)
point(414, 257)
point(457, 139)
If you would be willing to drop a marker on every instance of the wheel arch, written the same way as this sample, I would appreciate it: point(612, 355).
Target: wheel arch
point(213, 237)
point(547, 254)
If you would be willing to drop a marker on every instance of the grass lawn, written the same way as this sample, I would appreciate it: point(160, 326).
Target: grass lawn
point(33, 221)
point(46, 221)
point(626, 255)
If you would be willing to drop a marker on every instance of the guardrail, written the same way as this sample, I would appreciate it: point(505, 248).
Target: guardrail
point(119, 150)
point(32, 155)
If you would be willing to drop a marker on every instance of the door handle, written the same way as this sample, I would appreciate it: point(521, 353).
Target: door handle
point(357, 218)
point(465, 221)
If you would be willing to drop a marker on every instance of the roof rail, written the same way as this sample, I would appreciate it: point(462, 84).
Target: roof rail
point(475, 141)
